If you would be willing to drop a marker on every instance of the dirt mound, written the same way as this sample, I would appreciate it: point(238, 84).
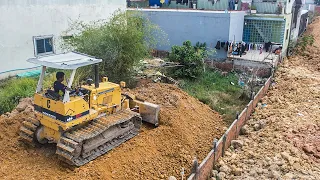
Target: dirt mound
point(187, 129)
point(311, 55)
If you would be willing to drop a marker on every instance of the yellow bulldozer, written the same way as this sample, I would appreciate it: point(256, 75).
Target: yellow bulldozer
point(88, 125)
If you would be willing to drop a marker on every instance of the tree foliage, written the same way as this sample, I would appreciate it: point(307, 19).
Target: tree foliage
point(190, 57)
point(122, 42)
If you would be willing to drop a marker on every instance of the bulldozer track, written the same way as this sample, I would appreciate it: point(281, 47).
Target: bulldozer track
point(82, 145)
point(27, 131)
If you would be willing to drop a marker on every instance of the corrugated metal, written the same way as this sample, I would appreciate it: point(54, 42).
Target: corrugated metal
point(266, 7)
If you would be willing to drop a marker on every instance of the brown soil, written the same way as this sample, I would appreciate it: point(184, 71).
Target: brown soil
point(187, 129)
point(286, 143)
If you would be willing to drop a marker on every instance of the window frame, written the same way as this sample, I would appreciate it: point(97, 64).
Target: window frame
point(35, 38)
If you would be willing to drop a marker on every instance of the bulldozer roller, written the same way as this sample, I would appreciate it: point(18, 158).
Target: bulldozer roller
point(27, 131)
point(83, 145)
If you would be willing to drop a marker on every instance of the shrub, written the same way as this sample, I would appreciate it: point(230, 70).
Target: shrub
point(190, 57)
point(121, 43)
point(12, 90)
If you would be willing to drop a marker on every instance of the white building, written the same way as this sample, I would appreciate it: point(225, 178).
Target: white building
point(34, 27)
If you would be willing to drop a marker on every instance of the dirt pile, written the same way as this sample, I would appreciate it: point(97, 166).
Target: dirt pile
point(282, 139)
point(187, 129)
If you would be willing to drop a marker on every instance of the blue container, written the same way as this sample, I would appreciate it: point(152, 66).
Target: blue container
point(154, 2)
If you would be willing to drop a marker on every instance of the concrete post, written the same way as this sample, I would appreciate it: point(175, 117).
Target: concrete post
point(194, 169)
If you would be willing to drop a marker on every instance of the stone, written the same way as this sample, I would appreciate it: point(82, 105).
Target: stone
point(257, 127)
point(221, 175)
point(286, 156)
point(308, 149)
point(237, 171)
point(13, 113)
point(317, 155)
point(296, 166)
point(29, 109)
point(214, 173)
point(274, 167)
point(251, 161)
point(225, 169)
point(288, 176)
point(276, 174)
point(259, 170)
point(23, 104)
point(172, 178)
point(253, 173)
point(244, 130)
point(227, 153)
point(237, 144)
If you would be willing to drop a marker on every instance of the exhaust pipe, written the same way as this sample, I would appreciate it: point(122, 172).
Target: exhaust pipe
point(96, 76)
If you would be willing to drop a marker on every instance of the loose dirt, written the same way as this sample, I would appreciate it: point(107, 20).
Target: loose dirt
point(282, 139)
point(187, 129)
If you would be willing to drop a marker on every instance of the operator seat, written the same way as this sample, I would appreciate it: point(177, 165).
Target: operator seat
point(52, 95)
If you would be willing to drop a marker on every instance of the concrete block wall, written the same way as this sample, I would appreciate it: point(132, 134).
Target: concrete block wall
point(197, 26)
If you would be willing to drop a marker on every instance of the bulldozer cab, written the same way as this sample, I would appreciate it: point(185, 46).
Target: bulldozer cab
point(62, 113)
point(66, 61)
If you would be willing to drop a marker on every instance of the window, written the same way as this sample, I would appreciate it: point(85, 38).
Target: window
point(43, 45)
point(287, 34)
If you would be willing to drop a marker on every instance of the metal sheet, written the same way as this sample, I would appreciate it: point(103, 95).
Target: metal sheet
point(70, 60)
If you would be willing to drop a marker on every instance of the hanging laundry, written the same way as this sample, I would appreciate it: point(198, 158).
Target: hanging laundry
point(213, 2)
point(231, 4)
point(223, 44)
point(267, 46)
point(236, 5)
point(243, 48)
point(218, 45)
point(178, 1)
point(185, 2)
point(227, 46)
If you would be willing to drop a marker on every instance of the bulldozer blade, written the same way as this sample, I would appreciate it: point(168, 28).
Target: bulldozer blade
point(149, 112)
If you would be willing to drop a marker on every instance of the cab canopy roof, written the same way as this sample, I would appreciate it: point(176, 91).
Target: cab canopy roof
point(70, 60)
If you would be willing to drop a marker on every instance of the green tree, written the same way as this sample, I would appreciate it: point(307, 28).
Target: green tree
point(122, 42)
point(190, 57)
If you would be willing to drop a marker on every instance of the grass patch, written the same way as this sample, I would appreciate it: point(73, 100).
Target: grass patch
point(217, 91)
point(12, 90)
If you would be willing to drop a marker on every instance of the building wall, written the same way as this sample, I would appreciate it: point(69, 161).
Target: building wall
point(21, 20)
point(236, 26)
point(288, 18)
point(196, 26)
point(295, 31)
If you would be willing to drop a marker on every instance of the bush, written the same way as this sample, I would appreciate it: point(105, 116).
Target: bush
point(121, 43)
point(190, 57)
point(12, 90)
